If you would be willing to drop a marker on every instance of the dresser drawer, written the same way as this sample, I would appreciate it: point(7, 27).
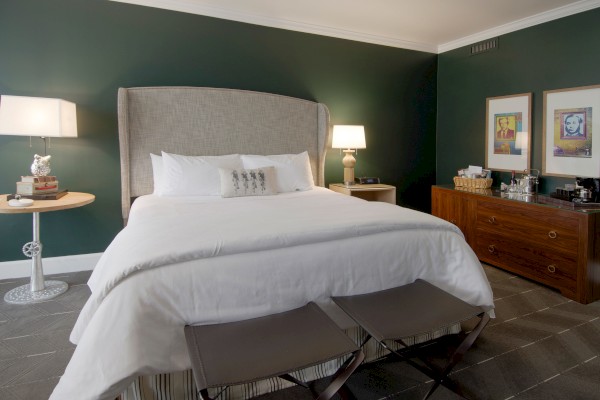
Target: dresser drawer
point(552, 267)
point(553, 230)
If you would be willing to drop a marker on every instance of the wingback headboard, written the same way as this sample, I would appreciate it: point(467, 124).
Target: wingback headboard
point(212, 121)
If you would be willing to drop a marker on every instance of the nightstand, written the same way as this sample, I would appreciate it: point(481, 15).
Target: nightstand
point(38, 289)
point(371, 192)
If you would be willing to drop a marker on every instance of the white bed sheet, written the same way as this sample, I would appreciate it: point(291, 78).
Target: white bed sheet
point(201, 260)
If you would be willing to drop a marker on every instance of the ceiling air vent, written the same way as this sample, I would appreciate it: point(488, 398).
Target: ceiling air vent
point(486, 45)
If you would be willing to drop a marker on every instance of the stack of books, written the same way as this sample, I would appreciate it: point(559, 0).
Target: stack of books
point(39, 187)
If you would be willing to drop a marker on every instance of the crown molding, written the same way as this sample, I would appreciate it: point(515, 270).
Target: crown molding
point(255, 19)
point(565, 11)
point(192, 7)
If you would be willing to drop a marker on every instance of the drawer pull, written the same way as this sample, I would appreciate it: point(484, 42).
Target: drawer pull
point(492, 220)
point(552, 235)
point(552, 268)
point(492, 249)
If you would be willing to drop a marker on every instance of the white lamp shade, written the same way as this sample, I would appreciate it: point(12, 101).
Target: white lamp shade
point(521, 140)
point(349, 137)
point(37, 116)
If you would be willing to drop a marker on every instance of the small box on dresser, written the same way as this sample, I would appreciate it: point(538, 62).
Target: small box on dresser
point(555, 246)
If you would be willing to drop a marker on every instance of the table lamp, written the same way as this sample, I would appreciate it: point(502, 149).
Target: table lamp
point(37, 116)
point(522, 143)
point(350, 138)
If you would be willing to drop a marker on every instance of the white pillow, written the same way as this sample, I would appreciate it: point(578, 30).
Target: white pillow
point(195, 175)
point(157, 173)
point(248, 182)
point(292, 171)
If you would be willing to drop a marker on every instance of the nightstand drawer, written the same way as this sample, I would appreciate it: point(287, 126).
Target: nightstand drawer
point(554, 267)
point(551, 230)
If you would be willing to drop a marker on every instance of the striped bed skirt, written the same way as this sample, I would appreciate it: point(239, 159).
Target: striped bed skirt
point(181, 386)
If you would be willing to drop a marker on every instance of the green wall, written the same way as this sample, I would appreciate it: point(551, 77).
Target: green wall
point(82, 51)
point(560, 54)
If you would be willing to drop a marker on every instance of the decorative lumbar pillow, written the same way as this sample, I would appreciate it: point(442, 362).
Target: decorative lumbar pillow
point(247, 182)
point(195, 175)
point(293, 172)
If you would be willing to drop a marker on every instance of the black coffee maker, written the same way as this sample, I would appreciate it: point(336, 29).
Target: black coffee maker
point(591, 184)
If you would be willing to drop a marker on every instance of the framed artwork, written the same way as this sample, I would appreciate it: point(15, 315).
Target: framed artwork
point(508, 132)
point(571, 120)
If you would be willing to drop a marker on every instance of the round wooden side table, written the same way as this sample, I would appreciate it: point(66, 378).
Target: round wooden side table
point(38, 289)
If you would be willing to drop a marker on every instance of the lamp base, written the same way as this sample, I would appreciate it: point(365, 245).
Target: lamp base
point(348, 176)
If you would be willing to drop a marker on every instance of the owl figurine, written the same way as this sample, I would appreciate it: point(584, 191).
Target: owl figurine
point(41, 165)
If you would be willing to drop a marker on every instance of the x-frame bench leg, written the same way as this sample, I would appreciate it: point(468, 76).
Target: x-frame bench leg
point(337, 380)
point(439, 377)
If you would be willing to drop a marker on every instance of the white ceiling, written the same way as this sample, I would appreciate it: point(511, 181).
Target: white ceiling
point(433, 26)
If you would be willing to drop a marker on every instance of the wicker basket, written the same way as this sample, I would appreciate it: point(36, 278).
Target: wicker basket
point(476, 183)
point(487, 192)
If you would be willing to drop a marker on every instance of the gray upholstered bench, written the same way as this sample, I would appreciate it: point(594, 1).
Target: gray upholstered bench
point(410, 310)
point(275, 345)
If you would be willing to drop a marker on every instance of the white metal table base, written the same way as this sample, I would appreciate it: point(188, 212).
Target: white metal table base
point(37, 290)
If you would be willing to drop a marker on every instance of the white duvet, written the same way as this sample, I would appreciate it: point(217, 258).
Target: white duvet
point(202, 260)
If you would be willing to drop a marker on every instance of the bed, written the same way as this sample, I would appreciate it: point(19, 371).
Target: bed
point(188, 255)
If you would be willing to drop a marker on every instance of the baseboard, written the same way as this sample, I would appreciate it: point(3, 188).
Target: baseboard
point(51, 265)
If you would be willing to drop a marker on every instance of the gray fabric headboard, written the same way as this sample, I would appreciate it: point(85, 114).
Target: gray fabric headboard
point(212, 121)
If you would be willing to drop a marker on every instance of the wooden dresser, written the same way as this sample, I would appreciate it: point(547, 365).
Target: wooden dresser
point(556, 245)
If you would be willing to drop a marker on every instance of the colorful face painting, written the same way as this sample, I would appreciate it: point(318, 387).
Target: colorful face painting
point(573, 132)
point(507, 126)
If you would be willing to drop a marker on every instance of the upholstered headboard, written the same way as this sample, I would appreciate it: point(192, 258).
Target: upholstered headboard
point(211, 121)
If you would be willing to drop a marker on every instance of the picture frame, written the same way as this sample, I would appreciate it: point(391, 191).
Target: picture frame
point(508, 132)
point(571, 128)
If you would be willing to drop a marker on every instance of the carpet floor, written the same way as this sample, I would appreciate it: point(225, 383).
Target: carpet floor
point(540, 346)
